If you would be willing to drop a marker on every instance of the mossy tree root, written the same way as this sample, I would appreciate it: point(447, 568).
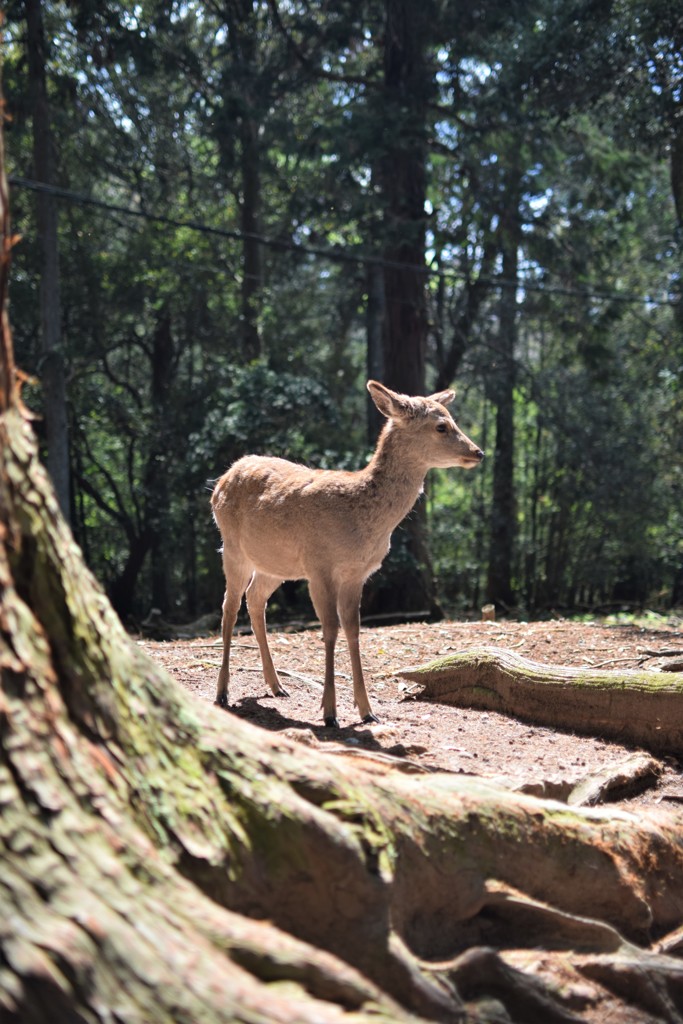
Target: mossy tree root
point(636, 707)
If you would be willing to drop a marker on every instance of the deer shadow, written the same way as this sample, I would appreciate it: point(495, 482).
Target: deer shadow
point(355, 734)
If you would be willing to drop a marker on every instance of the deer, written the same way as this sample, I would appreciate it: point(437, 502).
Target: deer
point(280, 520)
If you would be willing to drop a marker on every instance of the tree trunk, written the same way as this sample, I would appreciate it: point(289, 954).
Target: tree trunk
point(243, 107)
point(503, 512)
point(157, 485)
point(250, 222)
point(166, 862)
point(121, 590)
point(403, 183)
point(644, 708)
point(407, 583)
point(676, 159)
point(53, 372)
point(375, 354)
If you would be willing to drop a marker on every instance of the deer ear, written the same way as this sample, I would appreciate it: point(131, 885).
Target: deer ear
point(387, 401)
point(443, 397)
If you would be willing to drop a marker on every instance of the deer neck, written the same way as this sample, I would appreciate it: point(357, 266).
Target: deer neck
point(395, 479)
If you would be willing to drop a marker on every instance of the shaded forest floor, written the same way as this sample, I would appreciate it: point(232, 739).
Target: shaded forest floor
point(417, 734)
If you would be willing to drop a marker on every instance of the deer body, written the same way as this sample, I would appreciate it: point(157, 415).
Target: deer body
point(283, 521)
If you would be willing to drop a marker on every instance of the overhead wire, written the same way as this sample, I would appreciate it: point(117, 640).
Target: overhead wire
point(335, 254)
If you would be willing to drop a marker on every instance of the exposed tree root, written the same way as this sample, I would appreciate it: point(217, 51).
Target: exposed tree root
point(638, 707)
point(617, 782)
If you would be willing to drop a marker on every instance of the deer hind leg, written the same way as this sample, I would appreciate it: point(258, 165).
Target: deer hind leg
point(324, 598)
point(236, 580)
point(258, 592)
point(349, 612)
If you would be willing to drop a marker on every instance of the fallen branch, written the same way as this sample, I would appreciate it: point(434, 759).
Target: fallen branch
point(665, 652)
point(639, 707)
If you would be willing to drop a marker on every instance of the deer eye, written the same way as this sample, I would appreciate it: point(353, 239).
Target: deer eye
point(442, 428)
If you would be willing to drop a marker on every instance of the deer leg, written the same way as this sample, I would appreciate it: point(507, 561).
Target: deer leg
point(258, 592)
point(325, 604)
point(349, 612)
point(235, 584)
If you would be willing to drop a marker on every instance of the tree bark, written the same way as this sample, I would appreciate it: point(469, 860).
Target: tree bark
point(676, 161)
point(645, 708)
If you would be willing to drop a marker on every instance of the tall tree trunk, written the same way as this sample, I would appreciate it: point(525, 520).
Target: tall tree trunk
point(121, 591)
point(502, 384)
point(676, 159)
point(402, 175)
point(407, 86)
point(375, 354)
point(53, 371)
point(250, 222)
point(157, 485)
point(239, 124)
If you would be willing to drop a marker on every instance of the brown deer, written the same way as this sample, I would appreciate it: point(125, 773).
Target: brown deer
point(282, 521)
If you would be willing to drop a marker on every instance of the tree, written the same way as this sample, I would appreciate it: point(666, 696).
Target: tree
point(503, 374)
point(401, 178)
point(655, 46)
point(249, 80)
point(53, 372)
point(408, 84)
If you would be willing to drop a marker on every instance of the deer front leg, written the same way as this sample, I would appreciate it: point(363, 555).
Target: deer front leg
point(349, 611)
point(234, 589)
point(324, 601)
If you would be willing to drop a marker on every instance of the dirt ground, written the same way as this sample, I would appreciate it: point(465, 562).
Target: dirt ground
point(422, 734)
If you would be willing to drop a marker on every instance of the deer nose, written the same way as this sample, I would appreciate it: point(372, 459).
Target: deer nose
point(478, 454)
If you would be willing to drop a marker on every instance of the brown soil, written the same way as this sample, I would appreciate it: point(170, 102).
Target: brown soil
point(422, 734)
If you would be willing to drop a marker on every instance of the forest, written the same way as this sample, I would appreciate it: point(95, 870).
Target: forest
point(232, 213)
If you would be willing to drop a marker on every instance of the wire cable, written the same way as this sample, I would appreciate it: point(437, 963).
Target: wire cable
point(336, 254)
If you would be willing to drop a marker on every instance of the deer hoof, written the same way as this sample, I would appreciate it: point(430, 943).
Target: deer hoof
point(331, 722)
point(281, 692)
point(222, 700)
point(370, 718)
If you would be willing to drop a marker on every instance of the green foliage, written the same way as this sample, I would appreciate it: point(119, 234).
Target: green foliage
point(261, 411)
